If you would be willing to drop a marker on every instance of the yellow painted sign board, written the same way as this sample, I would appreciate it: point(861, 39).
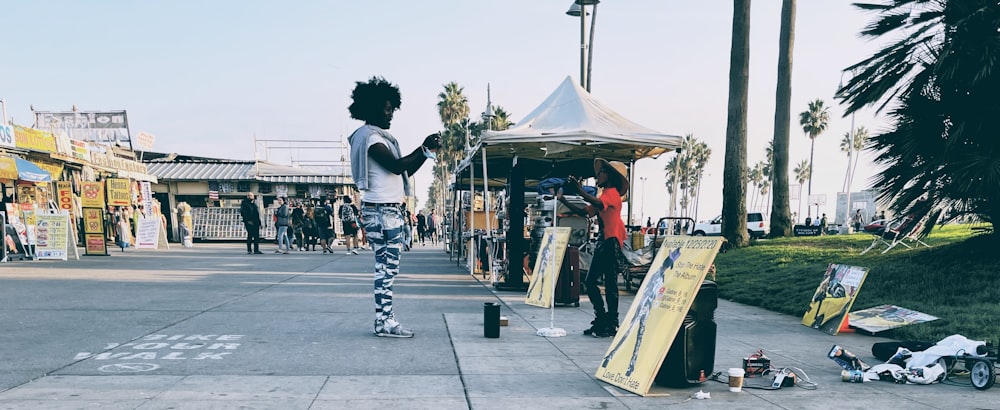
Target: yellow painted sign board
point(119, 193)
point(546, 272)
point(92, 194)
point(657, 312)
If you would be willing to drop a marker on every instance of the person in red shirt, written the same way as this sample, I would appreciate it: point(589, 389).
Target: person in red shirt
point(608, 258)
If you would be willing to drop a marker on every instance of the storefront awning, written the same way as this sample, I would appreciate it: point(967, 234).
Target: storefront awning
point(22, 169)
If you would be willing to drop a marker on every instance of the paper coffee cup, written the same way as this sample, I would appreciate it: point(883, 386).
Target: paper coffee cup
point(736, 379)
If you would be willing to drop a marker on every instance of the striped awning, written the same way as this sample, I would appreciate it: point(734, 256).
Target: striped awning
point(203, 171)
point(262, 171)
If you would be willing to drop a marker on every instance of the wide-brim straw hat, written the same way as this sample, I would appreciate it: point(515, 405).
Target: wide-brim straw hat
point(618, 167)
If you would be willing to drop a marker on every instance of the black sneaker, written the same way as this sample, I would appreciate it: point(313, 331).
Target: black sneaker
point(603, 332)
point(590, 331)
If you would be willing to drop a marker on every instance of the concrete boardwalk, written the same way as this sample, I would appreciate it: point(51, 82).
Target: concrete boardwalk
point(214, 328)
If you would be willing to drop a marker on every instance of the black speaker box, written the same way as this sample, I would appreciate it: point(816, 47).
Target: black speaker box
point(691, 358)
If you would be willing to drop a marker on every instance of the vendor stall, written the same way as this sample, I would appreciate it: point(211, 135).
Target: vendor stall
point(561, 137)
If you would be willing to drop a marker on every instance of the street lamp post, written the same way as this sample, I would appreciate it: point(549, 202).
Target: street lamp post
point(674, 193)
point(642, 206)
point(579, 9)
point(850, 157)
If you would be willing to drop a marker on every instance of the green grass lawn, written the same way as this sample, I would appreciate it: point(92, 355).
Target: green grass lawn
point(956, 279)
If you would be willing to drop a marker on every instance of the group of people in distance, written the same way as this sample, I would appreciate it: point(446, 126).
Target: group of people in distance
point(303, 224)
point(427, 227)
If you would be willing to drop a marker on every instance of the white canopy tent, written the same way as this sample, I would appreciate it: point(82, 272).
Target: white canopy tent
point(561, 137)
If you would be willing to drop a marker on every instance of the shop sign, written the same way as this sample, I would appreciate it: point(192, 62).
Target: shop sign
point(64, 194)
point(30, 138)
point(95, 244)
point(102, 126)
point(54, 170)
point(93, 220)
point(145, 140)
point(119, 192)
point(52, 236)
point(92, 194)
point(6, 136)
point(109, 160)
point(93, 228)
point(8, 168)
point(79, 149)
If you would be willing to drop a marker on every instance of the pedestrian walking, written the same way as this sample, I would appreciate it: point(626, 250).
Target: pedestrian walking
point(281, 216)
point(298, 226)
point(309, 229)
point(421, 227)
point(322, 215)
point(251, 221)
point(382, 174)
point(432, 224)
point(349, 218)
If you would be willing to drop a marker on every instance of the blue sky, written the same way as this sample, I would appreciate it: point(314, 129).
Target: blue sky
point(206, 77)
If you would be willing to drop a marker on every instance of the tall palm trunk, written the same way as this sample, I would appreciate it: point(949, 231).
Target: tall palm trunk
point(812, 146)
point(734, 209)
point(781, 214)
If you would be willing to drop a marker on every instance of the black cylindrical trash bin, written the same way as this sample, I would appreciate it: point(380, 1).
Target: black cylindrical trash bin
point(692, 355)
point(491, 320)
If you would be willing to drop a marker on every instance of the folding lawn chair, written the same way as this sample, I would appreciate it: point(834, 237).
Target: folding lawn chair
point(910, 228)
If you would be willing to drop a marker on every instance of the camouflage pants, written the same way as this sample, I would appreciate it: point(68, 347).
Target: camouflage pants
point(383, 226)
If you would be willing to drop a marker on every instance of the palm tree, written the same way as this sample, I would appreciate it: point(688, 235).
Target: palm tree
point(453, 108)
point(939, 74)
point(755, 177)
point(849, 147)
point(452, 104)
point(803, 173)
point(734, 208)
point(813, 122)
point(860, 140)
point(700, 154)
point(767, 170)
point(781, 213)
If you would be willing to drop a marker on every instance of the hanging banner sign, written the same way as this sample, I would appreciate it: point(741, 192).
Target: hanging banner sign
point(656, 315)
point(51, 236)
point(92, 194)
point(119, 193)
point(146, 194)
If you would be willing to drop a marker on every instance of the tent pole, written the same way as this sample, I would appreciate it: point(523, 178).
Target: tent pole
point(631, 187)
point(472, 219)
point(515, 231)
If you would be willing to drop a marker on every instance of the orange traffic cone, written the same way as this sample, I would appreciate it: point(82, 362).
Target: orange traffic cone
point(845, 326)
